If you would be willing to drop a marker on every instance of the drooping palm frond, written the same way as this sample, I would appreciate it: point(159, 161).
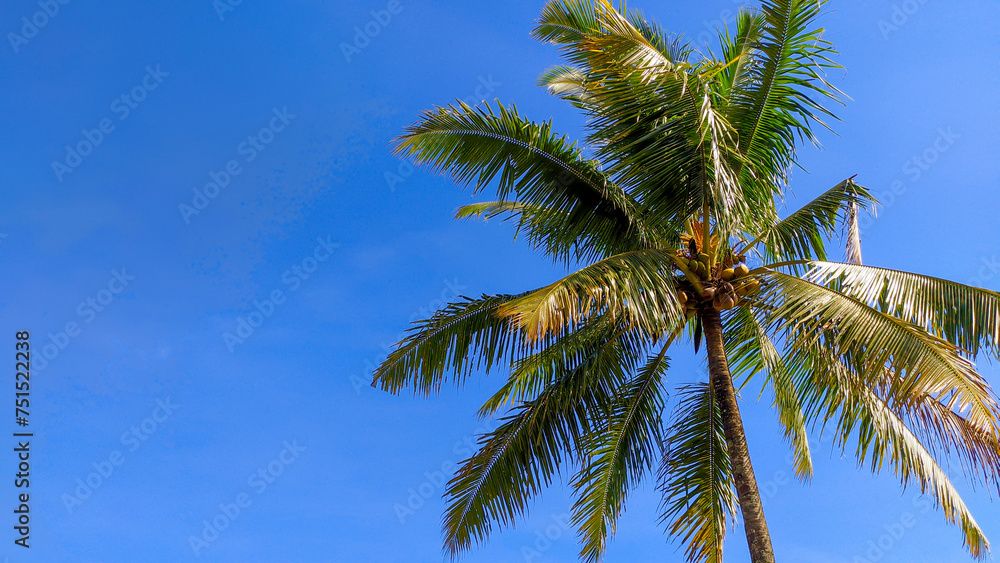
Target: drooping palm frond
point(576, 350)
point(617, 455)
point(533, 166)
point(464, 335)
point(836, 393)
point(518, 459)
point(921, 362)
point(968, 317)
point(636, 288)
point(696, 476)
point(750, 352)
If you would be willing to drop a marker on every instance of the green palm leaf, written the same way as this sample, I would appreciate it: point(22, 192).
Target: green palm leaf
point(463, 336)
point(637, 288)
point(803, 234)
point(751, 351)
point(534, 166)
point(696, 476)
point(518, 459)
point(619, 453)
point(883, 438)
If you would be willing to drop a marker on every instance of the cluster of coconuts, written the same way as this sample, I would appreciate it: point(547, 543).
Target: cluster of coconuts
point(725, 290)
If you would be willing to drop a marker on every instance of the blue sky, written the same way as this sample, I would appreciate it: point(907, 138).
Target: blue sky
point(116, 116)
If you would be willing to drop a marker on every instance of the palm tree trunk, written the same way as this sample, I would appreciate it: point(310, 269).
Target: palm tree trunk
point(758, 537)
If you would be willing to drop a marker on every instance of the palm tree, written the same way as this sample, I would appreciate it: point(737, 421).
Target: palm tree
point(670, 221)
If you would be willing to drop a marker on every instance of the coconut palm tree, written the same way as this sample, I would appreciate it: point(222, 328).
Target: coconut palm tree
point(670, 224)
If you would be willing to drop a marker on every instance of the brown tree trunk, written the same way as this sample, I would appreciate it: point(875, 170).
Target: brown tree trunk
point(758, 538)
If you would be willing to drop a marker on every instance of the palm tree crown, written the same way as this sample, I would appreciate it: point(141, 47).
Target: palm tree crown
point(672, 213)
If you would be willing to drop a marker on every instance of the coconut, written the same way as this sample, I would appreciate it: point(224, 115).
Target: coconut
point(682, 297)
point(728, 274)
point(703, 258)
point(728, 302)
point(709, 293)
point(741, 270)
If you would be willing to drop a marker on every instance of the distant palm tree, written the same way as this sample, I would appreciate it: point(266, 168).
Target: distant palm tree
point(675, 211)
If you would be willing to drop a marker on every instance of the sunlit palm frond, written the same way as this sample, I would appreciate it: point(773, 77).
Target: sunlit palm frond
point(750, 351)
point(569, 83)
point(780, 93)
point(600, 39)
point(577, 350)
point(635, 288)
point(968, 317)
point(838, 395)
point(803, 234)
point(921, 362)
point(464, 335)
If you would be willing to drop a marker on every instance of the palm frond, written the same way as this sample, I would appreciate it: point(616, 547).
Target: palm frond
point(465, 335)
point(861, 416)
point(577, 350)
point(534, 166)
point(518, 459)
point(696, 476)
point(968, 317)
point(618, 454)
point(802, 235)
point(779, 94)
point(636, 288)
point(920, 361)
point(568, 83)
point(750, 351)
